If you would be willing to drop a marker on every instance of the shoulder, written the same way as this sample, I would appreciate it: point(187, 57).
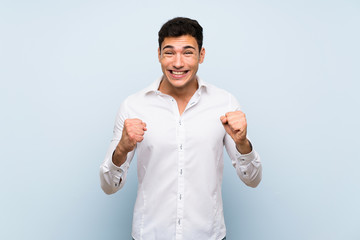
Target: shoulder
point(143, 94)
point(138, 99)
point(221, 96)
point(214, 91)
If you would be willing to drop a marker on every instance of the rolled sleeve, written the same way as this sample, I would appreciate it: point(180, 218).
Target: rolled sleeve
point(248, 166)
point(113, 177)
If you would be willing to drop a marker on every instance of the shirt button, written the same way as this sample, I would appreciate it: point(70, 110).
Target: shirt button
point(180, 146)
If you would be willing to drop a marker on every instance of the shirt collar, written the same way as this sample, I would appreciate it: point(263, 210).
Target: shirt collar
point(155, 85)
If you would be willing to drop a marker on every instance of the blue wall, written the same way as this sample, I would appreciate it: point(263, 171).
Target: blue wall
point(65, 66)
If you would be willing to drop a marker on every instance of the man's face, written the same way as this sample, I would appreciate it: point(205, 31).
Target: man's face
point(180, 58)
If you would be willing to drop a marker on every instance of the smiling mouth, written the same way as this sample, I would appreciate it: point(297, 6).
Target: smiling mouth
point(178, 74)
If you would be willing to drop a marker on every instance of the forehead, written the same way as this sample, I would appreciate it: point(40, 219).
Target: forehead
point(180, 42)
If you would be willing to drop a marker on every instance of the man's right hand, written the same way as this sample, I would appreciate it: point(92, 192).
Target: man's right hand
point(133, 132)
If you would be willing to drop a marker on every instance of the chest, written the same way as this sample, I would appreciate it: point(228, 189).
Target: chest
point(198, 125)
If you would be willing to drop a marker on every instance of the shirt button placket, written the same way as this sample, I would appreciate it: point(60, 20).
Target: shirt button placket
point(180, 199)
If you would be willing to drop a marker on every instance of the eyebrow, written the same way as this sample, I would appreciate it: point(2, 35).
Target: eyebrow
point(172, 47)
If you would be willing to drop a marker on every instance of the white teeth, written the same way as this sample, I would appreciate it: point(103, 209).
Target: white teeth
point(178, 73)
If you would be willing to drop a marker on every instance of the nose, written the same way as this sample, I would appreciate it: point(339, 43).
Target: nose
point(178, 62)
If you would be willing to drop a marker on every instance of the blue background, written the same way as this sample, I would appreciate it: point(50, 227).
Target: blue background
point(65, 67)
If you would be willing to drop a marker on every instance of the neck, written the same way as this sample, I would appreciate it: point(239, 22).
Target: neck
point(179, 93)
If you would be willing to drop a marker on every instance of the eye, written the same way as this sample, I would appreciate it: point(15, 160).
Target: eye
point(188, 53)
point(168, 53)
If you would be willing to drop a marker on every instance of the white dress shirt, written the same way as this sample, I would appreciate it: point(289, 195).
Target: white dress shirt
point(179, 163)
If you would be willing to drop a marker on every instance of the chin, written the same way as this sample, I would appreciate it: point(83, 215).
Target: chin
point(179, 82)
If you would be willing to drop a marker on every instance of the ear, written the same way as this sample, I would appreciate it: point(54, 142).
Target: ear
point(159, 54)
point(202, 55)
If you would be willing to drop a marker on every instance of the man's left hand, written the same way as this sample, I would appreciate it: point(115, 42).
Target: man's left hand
point(236, 126)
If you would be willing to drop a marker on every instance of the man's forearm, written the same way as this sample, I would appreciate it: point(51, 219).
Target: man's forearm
point(244, 148)
point(119, 156)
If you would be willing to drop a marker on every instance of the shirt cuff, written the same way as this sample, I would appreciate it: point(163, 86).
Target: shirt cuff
point(113, 167)
point(245, 159)
point(117, 172)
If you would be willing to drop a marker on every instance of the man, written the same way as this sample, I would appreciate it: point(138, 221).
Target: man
point(179, 126)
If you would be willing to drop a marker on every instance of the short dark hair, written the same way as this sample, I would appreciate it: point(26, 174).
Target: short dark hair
point(181, 26)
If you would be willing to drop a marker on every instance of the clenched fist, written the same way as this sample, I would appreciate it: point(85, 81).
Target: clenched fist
point(133, 132)
point(236, 126)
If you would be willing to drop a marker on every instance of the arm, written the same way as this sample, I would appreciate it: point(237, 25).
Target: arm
point(244, 159)
point(113, 170)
